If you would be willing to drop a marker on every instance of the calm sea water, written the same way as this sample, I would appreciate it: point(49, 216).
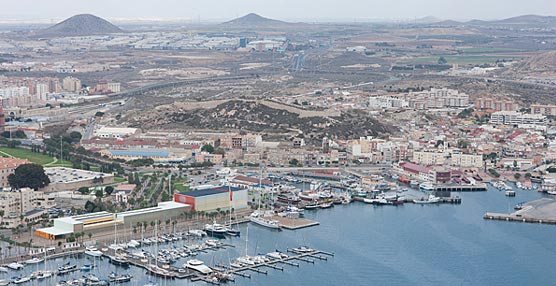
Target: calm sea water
point(406, 245)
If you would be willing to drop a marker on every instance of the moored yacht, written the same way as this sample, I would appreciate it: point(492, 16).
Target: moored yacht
point(197, 265)
point(93, 251)
point(260, 219)
point(427, 187)
point(215, 229)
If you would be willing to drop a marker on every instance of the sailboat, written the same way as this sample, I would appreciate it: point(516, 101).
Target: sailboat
point(263, 218)
point(40, 275)
point(154, 269)
point(230, 230)
point(246, 259)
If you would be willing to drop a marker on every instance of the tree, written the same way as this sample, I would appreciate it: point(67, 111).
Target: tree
point(75, 136)
point(99, 194)
point(517, 176)
point(83, 190)
point(207, 148)
point(527, 175)
point(294, 162)
point(442, 61)
point(108, 190)
point(28, 176)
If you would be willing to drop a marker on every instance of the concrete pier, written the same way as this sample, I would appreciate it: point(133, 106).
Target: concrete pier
point(537, 211)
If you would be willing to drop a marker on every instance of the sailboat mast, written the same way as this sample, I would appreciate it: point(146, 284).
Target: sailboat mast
point(230, 194)
point(246, 239)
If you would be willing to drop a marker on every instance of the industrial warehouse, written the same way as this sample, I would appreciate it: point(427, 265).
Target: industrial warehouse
point(207, 200)
point(214, 198)
point(101, 221)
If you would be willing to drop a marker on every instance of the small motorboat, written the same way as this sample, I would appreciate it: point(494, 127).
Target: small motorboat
point(34, 260)
point(21, 279)
point(86, 268)
point(15, 266)
point(115, 278)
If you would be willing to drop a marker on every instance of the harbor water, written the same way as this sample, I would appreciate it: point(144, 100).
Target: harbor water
point(384, 245)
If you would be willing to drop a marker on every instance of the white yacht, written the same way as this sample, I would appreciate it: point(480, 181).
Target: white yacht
point(427, 187)
point(34, 260)
point(215, 229)
point(15, 266)
point(93, 251)
point(42, 274)
point(260, 219)
point(198, 265)
point(245, 260)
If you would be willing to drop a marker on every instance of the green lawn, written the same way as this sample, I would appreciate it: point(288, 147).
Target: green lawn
point(36, 158)
point(180, 187)
point(117, 179)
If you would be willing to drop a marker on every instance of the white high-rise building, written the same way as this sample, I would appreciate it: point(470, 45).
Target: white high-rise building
point(41, 91)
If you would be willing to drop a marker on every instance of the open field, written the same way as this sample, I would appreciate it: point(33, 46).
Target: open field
point(36, 158)
point(463, 59)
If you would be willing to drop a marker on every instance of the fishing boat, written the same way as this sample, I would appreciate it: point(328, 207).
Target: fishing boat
point(4, 282)
point(34, 260)
point(326, 205)
point(260, 219)
point(198, 266)
point(288, 199)
point(115, 278)
point(4, 269)
point(431, 199)
point(66, 268)
point(312, 206)
point(552, 193)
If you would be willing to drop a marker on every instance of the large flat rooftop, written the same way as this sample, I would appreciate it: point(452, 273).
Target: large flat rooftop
point(68, 175)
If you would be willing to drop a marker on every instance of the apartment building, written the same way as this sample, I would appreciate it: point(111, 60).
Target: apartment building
point(466, 160)
point(24, 205)
point(516, 118)
point(7, 167)
point(429, 157)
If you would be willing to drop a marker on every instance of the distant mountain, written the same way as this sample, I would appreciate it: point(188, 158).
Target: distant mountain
point(426, 20)
point(79, 25)
point(255, 20)
point(529, 20)
point(525, 20)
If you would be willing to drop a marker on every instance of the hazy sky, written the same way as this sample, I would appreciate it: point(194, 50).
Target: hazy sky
point(308, 10)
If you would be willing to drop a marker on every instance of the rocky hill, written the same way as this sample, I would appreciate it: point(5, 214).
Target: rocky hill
point(542, 64)
point(253, 19)
point(258, 117)
point(79, 25)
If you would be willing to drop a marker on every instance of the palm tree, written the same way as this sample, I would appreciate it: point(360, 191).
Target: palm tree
point(90, 235)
